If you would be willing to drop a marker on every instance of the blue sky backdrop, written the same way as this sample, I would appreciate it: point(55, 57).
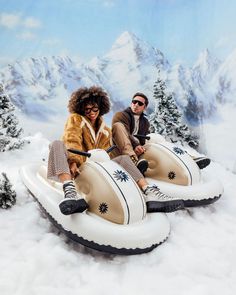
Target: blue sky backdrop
point(86, 28)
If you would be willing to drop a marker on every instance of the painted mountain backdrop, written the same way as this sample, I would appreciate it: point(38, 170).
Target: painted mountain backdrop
point(40, 87)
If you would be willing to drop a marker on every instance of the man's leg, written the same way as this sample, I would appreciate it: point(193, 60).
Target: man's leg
point(121, 139)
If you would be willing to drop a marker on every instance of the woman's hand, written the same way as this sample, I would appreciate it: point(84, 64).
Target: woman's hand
point(74, 170)
point(139, 150)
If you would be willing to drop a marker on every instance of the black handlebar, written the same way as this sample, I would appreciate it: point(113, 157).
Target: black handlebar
point(86, 154)
point(142, 136)
point(78, 152)
point(111, 148)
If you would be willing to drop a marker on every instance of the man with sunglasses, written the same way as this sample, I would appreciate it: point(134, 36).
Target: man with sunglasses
point(128, 123)
point(132, 121)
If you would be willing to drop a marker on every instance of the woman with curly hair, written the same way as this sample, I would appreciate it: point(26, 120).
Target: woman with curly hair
point(85, 130)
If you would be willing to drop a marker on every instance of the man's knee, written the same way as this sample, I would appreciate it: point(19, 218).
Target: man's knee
point(117, 127)
point(119, 132)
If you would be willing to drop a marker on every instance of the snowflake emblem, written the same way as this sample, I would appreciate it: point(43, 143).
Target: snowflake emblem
point(121, 175)
point(171, 175)
point(178, 150)
point(103, 208)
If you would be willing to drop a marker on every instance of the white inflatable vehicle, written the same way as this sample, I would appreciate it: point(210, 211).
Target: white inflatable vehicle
point(117, 221)
point(175, 172)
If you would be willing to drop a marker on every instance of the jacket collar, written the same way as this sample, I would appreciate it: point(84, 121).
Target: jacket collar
point(101, 126)
point(129, 111)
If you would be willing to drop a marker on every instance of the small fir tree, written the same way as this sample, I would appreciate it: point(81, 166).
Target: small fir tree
point(167, 119)
point(9, 130)
point(7, 194)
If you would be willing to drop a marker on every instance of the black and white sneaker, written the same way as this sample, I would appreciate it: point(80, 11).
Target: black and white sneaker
point(202, 162)
point(157, 201)
point(142, 165)
point(71, 204)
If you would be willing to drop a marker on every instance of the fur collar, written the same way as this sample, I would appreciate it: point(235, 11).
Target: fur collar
point(101, 126)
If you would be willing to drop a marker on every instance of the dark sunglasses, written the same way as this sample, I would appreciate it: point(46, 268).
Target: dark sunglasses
point(134, 101)
point(89, 110)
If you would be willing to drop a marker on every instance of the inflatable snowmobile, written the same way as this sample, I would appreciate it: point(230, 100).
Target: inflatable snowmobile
point(175, 172)
point(117, 220)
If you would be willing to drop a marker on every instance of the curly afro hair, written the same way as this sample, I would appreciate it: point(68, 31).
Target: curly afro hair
point(92, 95)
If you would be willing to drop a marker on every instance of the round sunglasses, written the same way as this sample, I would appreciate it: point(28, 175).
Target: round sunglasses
point(89, 110)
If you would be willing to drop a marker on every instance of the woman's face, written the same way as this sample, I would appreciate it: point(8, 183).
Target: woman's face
point(91, 112)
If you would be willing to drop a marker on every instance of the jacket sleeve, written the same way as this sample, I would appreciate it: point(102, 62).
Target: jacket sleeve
point(123, 118)
point(108, 140)
point(73, 138)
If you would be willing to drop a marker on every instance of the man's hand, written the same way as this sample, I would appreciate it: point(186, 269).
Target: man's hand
point(74, 170)
point(139, 150)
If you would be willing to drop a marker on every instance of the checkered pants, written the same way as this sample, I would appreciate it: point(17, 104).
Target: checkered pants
point(58, 162)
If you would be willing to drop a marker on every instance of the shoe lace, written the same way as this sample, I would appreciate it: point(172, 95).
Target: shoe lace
point(156, 191)
point(69, 190)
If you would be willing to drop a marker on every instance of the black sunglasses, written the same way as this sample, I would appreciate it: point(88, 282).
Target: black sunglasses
point(134, 101)
point(89, 110)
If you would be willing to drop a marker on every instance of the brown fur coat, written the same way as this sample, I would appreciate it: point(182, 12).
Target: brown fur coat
point(79, 134)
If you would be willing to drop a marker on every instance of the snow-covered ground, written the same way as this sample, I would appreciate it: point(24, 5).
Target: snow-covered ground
point(198, 258)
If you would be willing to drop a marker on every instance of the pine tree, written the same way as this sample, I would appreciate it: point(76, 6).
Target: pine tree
point(166, 119)
point(7, 195)
point(9, 131)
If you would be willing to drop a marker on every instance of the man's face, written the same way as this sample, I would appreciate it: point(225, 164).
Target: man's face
point(138, 105)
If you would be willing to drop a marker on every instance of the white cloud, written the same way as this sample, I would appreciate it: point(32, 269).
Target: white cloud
point(26, 35)
point(222, 42)
point(31, 22)
point(10, 21)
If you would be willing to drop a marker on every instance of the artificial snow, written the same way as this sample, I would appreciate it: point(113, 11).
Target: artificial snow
point(198, 257)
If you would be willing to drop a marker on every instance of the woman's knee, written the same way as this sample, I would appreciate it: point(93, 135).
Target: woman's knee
point(56, 143)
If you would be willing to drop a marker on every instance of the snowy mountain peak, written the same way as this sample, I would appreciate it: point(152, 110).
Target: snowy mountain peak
point(131, 49)
point(126, 39)
point(205, 66)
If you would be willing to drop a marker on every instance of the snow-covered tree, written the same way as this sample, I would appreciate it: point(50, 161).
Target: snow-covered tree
point(167, 119)
point(10, 132)
point(7, 194)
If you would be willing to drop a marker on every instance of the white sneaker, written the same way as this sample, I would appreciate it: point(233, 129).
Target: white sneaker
point(157, 201)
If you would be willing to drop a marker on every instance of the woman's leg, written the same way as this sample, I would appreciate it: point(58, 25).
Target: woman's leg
point(58, 169)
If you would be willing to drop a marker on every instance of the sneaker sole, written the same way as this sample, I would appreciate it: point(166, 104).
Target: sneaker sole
point(203, 163)
point(154, 206)
point(69, 206)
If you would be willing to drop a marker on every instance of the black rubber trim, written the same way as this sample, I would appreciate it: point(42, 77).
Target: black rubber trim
point(171, 206)
point(202, 202)
point(93, 245)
